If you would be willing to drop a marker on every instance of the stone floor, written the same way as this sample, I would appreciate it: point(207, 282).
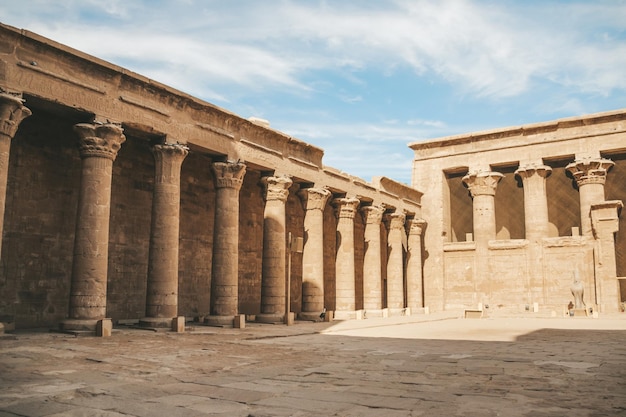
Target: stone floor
point(433, 365)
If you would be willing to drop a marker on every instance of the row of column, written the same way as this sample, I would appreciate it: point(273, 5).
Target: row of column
point(99, 145)
point(397, 240)
point(590, 175)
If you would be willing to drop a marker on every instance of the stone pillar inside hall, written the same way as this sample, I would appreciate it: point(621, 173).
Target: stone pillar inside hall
point(12, 112)
point(605, 223)
point(314, 200)
point(372, 263)
point(414, 285)
point(395, 263)
point(162, 284)
point(98, 145)
point(482, 186)
point(273, 285)
point(225, 270)
point(345, 275)
point(590, 175)
point(535, 200)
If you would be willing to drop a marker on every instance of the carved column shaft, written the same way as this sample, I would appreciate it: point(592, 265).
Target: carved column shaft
point(345, 287)
point(535, 200)
point(12, 112)
point(313, 254)
point(395, 261)
point(225, 271)
point(414, 283)
point(99, 145)
point(590, 175)
point(162, 288)
point(372, 263)
point(273, 288)
point(482, 186)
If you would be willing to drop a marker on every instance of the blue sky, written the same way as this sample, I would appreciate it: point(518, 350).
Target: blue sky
point(360, 78)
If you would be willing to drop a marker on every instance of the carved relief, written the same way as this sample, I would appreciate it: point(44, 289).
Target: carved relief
point(12, 112)
point(100, 141)
point(482, 183)
point(276, 188)
point(229, 174)
point(590, 170)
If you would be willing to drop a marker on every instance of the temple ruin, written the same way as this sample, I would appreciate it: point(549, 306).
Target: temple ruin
point(123, 199)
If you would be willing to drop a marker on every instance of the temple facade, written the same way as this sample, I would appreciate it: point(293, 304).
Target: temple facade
point(125, 199)
point(516, 216)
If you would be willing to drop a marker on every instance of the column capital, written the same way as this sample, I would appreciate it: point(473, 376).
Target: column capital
point(99, 140)
point(276, 188)
point(12, 112)
point(396, 220)
point(416, 226)
point(528, 170)
point(229, 174)
point(590, 170)
point(373, 214)
point(482, 182)
point(314, 198)
point(345, 207)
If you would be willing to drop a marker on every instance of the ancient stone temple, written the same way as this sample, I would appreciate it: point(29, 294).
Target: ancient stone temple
point(125, 199)
point(516, 215)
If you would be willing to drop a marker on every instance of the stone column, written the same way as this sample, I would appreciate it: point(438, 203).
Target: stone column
point(313, 255)
point(225, 271)
point(99, 144)
point(395, 263)
point(535, 200)
point(273, 285)
point(162, 288)
point(605, 222)
point(345, 275)
point(414, 286)
point(482, 186)
point(12, 112)
point(590, 175)
point(372, 264)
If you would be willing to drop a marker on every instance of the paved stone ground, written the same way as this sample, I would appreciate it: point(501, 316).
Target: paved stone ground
point(411, 366)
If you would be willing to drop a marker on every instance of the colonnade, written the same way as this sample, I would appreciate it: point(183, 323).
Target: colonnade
point(99, 144)
point(590, 175)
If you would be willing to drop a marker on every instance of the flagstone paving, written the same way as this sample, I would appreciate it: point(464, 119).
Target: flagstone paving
point(411, 366)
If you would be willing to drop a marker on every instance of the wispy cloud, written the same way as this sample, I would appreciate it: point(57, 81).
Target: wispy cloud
point(366, 75)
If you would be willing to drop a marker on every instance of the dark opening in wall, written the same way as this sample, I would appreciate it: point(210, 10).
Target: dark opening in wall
point(459, 208)
point(563, 198)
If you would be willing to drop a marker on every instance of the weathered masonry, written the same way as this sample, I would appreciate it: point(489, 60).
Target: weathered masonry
point(516, 215)
point(127, 199)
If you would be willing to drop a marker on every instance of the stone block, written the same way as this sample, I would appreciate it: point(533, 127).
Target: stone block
point(178, 324)
point(239, 321)
point(291, 317)
point(473, 314)
point(330, 315)
point(104, 328)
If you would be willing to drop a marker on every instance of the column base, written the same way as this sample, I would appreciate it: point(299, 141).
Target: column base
point(271, 318)
point(219, 321)
point(311, 316)
point(79, 325)
point(156, 322)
